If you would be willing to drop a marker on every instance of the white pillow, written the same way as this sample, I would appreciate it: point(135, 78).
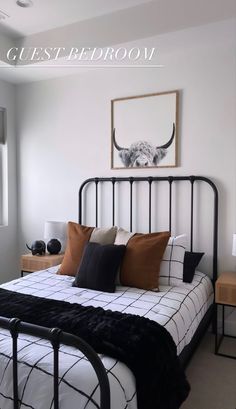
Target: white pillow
point(171, 269)
point(122, 236)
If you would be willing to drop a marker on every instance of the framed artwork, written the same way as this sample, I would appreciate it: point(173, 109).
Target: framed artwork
point(144, 131)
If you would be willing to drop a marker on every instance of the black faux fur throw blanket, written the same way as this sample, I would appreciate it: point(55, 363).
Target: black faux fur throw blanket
point(143, 345)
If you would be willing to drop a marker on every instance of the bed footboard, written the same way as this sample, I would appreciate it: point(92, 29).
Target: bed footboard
point(56, 337)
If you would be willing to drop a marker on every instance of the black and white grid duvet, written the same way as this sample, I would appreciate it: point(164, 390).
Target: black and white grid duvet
point(180, 309)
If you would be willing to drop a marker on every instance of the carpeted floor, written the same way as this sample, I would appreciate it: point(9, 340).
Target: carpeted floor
point(212, 377)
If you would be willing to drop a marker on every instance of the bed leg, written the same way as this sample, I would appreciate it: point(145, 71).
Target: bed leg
point(55, 341)
point(14, 323)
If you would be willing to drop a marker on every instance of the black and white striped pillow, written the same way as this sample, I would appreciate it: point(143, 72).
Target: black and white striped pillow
point(171, 269)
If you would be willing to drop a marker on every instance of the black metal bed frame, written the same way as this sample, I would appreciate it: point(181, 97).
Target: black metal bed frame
point(150, 180)
point(210, 316)
point(58, 337)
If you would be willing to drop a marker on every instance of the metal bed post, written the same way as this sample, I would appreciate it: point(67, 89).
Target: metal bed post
point(191, 217)
point(170, 179)
point(150, 179)
point(96, 200)
point(13, 328)
point(56, 337)
point(113, 201)
point(55, 341)
point(131, 181)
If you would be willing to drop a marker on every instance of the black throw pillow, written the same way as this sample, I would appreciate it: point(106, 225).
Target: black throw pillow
point(98, 267)
point(191, 261)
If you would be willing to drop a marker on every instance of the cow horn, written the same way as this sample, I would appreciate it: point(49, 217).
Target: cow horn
point(119, 148)
point(30, 248)
point(170, 141)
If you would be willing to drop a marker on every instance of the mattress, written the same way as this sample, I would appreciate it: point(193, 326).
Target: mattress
point(179, 309)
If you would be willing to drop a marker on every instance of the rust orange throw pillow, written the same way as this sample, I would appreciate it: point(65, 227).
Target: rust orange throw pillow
point(77, 236)
point(141, 263)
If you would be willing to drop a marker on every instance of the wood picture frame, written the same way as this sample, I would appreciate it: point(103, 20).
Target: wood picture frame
point(144, 131)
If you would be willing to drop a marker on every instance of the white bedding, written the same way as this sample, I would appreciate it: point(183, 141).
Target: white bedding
point(180, 309)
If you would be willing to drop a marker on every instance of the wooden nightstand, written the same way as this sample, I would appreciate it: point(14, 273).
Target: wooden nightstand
point(30, 263)
point(225, 295)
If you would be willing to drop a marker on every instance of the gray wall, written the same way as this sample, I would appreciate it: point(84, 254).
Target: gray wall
point(64, 127)
point(63, 133)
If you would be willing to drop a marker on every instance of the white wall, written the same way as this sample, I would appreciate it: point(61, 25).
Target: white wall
point(9, 257)
point(64, 127)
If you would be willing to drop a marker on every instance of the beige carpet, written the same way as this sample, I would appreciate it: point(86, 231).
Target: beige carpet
point(212, 377)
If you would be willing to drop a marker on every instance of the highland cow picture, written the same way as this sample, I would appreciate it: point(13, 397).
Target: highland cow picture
point(144, 131)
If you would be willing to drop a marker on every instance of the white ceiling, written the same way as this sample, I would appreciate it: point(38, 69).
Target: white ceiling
point(96, 23)
point(49, 14)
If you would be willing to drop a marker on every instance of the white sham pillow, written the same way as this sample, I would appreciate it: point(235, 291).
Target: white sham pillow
point(122, 236)
point(172, 265)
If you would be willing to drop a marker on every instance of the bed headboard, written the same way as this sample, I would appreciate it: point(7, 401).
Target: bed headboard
point(152, 182)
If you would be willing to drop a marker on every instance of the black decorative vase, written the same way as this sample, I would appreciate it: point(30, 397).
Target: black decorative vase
point(54, 246)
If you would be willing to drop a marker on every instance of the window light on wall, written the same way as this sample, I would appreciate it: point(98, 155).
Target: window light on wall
point(2, 126)
point(3, 168)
